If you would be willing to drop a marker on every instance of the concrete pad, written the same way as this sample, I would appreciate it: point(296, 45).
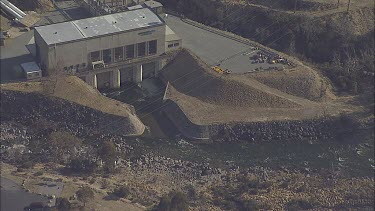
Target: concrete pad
point(213, 48)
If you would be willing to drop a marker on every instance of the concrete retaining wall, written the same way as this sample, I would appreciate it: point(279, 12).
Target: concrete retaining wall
point(183, 123)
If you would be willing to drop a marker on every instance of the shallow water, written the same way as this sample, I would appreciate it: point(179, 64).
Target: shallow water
point(14, 198)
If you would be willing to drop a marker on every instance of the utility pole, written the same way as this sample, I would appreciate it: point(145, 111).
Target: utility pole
point(348, 6)
point(295, 6)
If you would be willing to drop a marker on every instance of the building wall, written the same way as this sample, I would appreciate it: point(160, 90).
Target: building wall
point(78, 53)
point(173, 45)
point(42, 50)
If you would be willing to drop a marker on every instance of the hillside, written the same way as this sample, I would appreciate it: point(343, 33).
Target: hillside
point(206, 96)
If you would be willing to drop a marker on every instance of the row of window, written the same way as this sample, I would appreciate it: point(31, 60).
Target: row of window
point(118, 54)
point(126, 52)
point(77, 66)
point(173, 45)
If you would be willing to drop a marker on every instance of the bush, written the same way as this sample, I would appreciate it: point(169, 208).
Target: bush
point(192, 193)
point(300, 204)
point(122, 192)
point(164, 204)
point(27, 165)
point(92, 181)
point(63, 204)
point(179, 202)
point(254, 205)
point(85, 195)
point(39, 173)
point(83, 165)
point(105, 183)
point(174, 201)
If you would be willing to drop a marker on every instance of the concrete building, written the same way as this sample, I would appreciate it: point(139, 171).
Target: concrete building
point(106, 50)
point(31, 70)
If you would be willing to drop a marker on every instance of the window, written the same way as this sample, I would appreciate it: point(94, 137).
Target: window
point(129, 51)
point(176, 44)
point(152, 47)
point(107, 56)
point(170, 45)
point(119, 54)
point(141, 49)
point(95, 56)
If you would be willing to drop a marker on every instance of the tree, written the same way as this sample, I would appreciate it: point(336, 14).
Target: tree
point(63, 143)
point(63, 204)
point(108, 154)
point(85, 195)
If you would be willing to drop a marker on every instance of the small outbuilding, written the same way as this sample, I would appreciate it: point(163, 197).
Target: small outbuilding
point(31, 70)
point(154, 6)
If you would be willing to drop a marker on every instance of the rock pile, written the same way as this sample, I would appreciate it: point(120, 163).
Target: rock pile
point(27, 109)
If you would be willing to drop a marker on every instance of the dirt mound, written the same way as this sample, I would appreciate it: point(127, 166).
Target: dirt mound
point(191, 76)
point(75, 90)
point(300, 82)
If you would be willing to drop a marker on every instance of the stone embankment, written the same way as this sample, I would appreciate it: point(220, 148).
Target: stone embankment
point(309, 129)
point(30, 109)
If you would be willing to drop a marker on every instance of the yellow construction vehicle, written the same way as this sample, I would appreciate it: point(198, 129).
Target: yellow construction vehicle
point(217, 69)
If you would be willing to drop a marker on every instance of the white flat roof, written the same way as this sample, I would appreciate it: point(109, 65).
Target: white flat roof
point(30, 67)
point(98, 26)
